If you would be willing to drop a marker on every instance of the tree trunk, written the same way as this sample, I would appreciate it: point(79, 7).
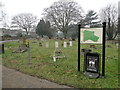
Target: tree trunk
point(26, 31)
point(65, 31)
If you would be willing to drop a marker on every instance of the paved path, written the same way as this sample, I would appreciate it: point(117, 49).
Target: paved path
point(14, 79)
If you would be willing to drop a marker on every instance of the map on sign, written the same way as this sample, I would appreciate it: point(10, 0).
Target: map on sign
point(91, 35)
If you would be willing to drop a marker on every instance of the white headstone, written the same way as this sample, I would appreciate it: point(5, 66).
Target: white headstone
point(65, 44)
point(56, 44)
point(47, 44)
point(117, 45)
point(70, 43)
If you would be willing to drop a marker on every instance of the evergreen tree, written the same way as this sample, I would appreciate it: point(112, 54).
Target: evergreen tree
point(91, 19)
point(43, 28)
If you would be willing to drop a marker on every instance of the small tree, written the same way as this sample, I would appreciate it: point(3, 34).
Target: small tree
point(43, 28)
point(3, 16)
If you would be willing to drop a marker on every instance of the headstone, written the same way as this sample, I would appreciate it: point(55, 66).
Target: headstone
point(86, 50)
point(47, 44)
point(93, 46)
point(117, 45)
point(70, 43)
point(24, 41)
point(58, 54)
point(65, 44)
point(40, 42)
point(56, 44)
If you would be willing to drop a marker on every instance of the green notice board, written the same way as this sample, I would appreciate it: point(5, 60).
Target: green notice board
point(91, 35)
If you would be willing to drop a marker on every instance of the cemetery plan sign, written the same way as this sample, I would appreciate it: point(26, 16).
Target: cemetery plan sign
point(91, 35)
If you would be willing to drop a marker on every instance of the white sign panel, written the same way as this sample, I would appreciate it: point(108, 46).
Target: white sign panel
point(91, 35)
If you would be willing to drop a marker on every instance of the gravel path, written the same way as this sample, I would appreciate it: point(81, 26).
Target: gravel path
point(14, 79)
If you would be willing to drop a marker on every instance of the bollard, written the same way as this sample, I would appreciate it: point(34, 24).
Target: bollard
point(2, 49)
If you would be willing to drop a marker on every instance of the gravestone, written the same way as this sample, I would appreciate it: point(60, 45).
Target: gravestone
point(24, 41)
point(41, 41)
point(47, 44)
point(86, 50)
point(70, 43)
point(58, 54)
point(117, 45)
point(93, 46)
point(56, 44)
point(65, 44)
point(1, 48)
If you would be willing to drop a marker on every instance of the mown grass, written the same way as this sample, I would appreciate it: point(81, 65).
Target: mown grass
point(64, 71)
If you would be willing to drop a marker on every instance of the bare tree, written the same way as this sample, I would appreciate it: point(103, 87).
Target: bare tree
point(109, 15)
point(25, 21)
point(3, 16)
point(63, 13)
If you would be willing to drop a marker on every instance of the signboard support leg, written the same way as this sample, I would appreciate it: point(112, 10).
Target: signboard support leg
point(103, 49)
point(79, 27)
point(2, 48)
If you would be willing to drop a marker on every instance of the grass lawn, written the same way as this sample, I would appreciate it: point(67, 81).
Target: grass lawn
point(64, 71)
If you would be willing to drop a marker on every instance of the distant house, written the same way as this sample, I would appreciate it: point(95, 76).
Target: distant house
point(4, 31)
point(14, 32)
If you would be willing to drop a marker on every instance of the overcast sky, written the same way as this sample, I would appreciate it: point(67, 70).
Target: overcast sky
point(13, 7)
